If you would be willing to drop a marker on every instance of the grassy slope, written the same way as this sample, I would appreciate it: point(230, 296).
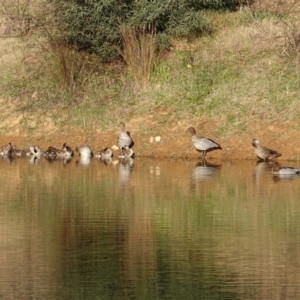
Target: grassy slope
point(230, 85)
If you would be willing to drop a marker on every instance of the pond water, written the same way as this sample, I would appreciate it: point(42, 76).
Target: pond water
point(153, 229)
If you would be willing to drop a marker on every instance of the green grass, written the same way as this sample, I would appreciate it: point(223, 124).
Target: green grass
point(233, 74)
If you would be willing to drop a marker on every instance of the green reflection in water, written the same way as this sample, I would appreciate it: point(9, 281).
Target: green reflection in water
point(157, 230)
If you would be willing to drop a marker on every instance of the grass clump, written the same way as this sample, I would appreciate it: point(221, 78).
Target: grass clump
point(231, 74)
point(139, 53)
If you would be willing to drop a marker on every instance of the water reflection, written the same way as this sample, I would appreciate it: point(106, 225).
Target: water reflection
point(53, 159)
point(125, 169)
point(279, 177)
point(69, 231)
point(7, 159)
point(34, 159)
point(262, 169)
point(84, 161)
point(105, 160)
point(204, 170)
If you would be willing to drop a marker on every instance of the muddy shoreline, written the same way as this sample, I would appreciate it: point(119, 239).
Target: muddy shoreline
point(169, 145)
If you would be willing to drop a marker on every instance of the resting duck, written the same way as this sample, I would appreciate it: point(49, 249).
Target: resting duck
point(105, 156)
point(202, 144)
point(34, 150)
point(7, 150)
point(84, 151)
point(19, 153)
point(10, 151)
point(264, 153)
point(124, 138)
point(105, 153)
point(126, 153)
point(276, 170)
point(65, 152)
point(68, 153)
point(51, 152)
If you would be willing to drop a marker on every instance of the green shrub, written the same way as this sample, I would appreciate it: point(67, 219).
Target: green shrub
point(93, 25)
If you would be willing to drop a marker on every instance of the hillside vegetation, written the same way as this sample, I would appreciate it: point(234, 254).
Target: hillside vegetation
point(238, 79)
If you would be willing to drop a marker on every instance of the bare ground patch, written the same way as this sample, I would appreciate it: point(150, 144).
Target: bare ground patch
point(173, 142)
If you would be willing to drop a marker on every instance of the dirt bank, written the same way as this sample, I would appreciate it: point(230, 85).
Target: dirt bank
point(173, 140)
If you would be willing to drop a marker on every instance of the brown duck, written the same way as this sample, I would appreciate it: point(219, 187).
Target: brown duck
point(264, 153)
point(202, 144)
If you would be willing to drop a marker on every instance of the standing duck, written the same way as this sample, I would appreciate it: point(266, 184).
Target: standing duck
point(124, 138)
point(264, 153)
point(202, 144)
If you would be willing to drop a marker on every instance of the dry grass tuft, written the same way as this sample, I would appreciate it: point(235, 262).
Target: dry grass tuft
point(139, 53)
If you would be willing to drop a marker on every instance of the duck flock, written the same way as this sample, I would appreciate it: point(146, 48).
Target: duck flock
point(125, 144)
point(66, 153)
point(205, 145)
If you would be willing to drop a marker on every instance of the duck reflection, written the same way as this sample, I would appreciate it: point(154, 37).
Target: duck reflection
point(205, 171)
point(280, 177)
point(34, 159)
point(105, 156)
point(56, 159)
point(262, 169)
point(83, 161)
point(125, 169)
point(7, 158)
point(105, 160)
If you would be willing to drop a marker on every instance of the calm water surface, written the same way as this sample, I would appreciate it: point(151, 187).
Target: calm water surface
point(157, 229)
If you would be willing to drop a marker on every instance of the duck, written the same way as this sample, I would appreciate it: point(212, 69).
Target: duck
point(14, 151)
point(84, 151)
point(104, 156)
point(126, 153)
point(19, 153)
point(264, 153)
point(51, 152)
point(124, 138)
point(68, 153)
point(65, 152)
point(202, 144)
point(7, 150)
point(34, 150)
point(277, 170)
point(105, 153)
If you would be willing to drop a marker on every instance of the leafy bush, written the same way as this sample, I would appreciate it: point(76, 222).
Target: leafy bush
point(93, 25)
